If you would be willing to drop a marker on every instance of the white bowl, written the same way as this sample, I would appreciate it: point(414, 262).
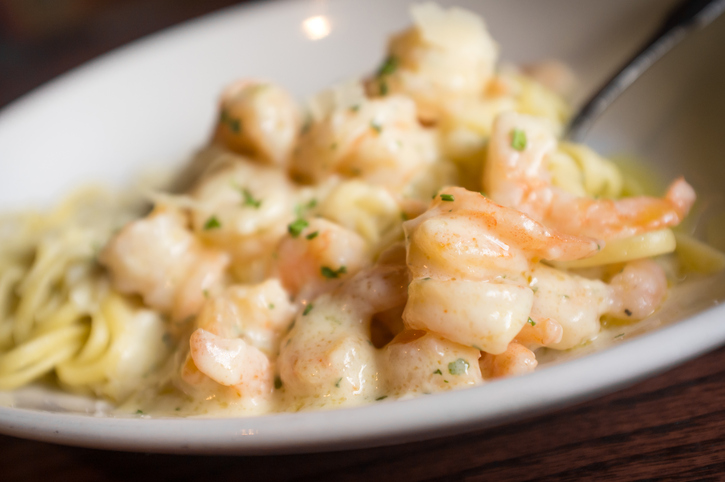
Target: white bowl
point(153, 102)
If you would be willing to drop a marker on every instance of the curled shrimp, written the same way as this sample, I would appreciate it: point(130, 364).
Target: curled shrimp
point(243, 208)
point(516, 176)
point(319, 255)
point(379, 141)
point(237, 335)
point(328, 354)
point(447, 55)
point(471, 260)
point(259, 119)
point(420, 362)
point(158, 258)
point(516, 360)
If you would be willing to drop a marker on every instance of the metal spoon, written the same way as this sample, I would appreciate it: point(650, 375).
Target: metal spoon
point(686, 17)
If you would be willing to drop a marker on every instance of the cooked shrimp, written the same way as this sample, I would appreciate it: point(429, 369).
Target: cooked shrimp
point(639, 290)
point(328, 355)
point(447, 55)
point(315, 256)
point(574, 302)
point(578, 303)
point(516, 360)
point(471, 260)
point(237, 338)
point(159, 259)
point(420, 362)
point(259, 119)
point(259, 314)
point(232, 362)
point(379, 141)
point(244, 208)
point(516, 176)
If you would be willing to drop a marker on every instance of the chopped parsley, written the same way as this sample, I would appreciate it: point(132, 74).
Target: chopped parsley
point(518, 139)
point(403, 216)
point(447, 197)
point(477, 347)
point(337, 383)
point(389, 66)
point(381, 398)
point(376, 127)
point(426, 279)
point(277, 383)
point(620, 335)
point(330, 273)
point(531, 322)
point(234, 125)
point(438, 372)
point(308, 308)
point(355, 108)
point(458, 367)
point(249, 199)
point(212, 223)
point(627, 312)
point(271, 306)
point(205, 293)
point(312, 235)
point(139, 412)
point(383, 88)
point(296, 227)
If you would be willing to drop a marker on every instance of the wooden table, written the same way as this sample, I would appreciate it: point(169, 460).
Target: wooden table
point(670, 426)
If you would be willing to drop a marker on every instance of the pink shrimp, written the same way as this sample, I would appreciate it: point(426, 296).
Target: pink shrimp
point(516, 176)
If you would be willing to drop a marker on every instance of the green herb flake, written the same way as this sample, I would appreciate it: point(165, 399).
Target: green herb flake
point(296, 227)
point(620, 335)
point(384, 88)
point(458, 367)
point(438, 372)
point(403, 216)
point(477, 347)
point(531, 322)
point(178, 409)
point(376, 127)
point(355, 108)
point(628, 312)
point(235, 125)
point(139, 412)
point(312, 235)
point(518, 139)
point(389, 66)
point(212, 223)
point(271, 306)
point(333, 146)
point(337, 383)
point(330, 273)
point(381, 398)
point(249, 199)
point(447, 197)
point(308, 308)
point(205, 293)
point(599, 248)
point(426, 279)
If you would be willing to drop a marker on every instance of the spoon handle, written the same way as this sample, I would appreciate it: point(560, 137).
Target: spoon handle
point(687, 16)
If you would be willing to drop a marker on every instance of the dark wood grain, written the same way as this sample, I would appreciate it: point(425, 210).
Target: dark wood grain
point(668, 427)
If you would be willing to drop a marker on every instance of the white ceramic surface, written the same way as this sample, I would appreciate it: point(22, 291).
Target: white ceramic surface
point(152, 103)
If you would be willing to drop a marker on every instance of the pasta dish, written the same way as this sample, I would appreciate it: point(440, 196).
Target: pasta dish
point(419, 230)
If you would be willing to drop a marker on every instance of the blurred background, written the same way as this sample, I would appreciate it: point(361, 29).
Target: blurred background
point(40, 39)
